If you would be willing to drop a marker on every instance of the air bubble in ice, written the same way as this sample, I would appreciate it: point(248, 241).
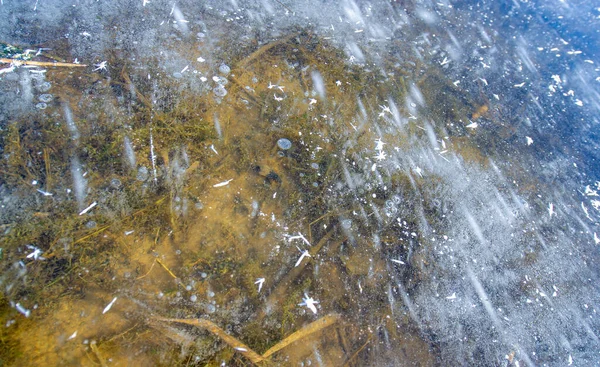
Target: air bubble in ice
point(314, 165)
point(284, 143)
point(44, 87)
point(193, 298)
point(177, 75)
point(210, 308)
point(220, 80)
point(142, 174)
point(346, 223)
point(220, 91)
point(224, 69)
point(41, 106)
point(115, 183)
point(46, 98)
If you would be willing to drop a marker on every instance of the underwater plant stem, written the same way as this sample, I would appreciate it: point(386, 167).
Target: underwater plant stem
point(39, 63)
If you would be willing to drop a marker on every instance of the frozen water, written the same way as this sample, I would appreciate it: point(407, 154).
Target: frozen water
point(284, 143)
point(450, 147)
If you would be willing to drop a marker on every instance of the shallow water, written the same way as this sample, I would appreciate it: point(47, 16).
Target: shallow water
point(389, 183)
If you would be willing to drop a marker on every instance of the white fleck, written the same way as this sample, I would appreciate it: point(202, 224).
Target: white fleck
point(529, 140)
point(304, 254)
point(519, 85)
point(585, 210)
point(551, 211)
point(88, 208)
point(224, 183)
point(36, 254)
point(398, 261)
point(596, 239)
point(309, 302)
point(25, 312)
point(200, 59)
point(299, 236)
point(107, 308)
point(453, 296)
point(101, 66)
point(45, 193)
point(380, 155)
point(260, 282)
point(212, 147)
point(241, 349)
point(72, 336)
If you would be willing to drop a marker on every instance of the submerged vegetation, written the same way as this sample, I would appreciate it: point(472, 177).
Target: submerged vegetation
point(195, 202)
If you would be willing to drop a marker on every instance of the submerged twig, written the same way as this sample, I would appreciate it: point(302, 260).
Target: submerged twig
point(233, 342)
point(254, 357)
point(311, 328)
point(166, 268)
point(17, 62)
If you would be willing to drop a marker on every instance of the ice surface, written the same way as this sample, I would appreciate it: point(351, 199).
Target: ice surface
point(452, 147)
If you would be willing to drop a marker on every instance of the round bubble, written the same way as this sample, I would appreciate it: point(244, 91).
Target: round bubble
point(142, 174)
point(221, 80)
point(41, 106)
point(177, 75)
point(346, 223)
point(224, 69)
point(314, 165)
point(220, 91)
point(210, 308)
point(44, 87)
point(46, 98)
point(115, 183)
point(284, 143)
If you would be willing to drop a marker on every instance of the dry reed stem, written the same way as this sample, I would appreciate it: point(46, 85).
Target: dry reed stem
point(233, 342)
point(311, 328)
point(39, 63)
